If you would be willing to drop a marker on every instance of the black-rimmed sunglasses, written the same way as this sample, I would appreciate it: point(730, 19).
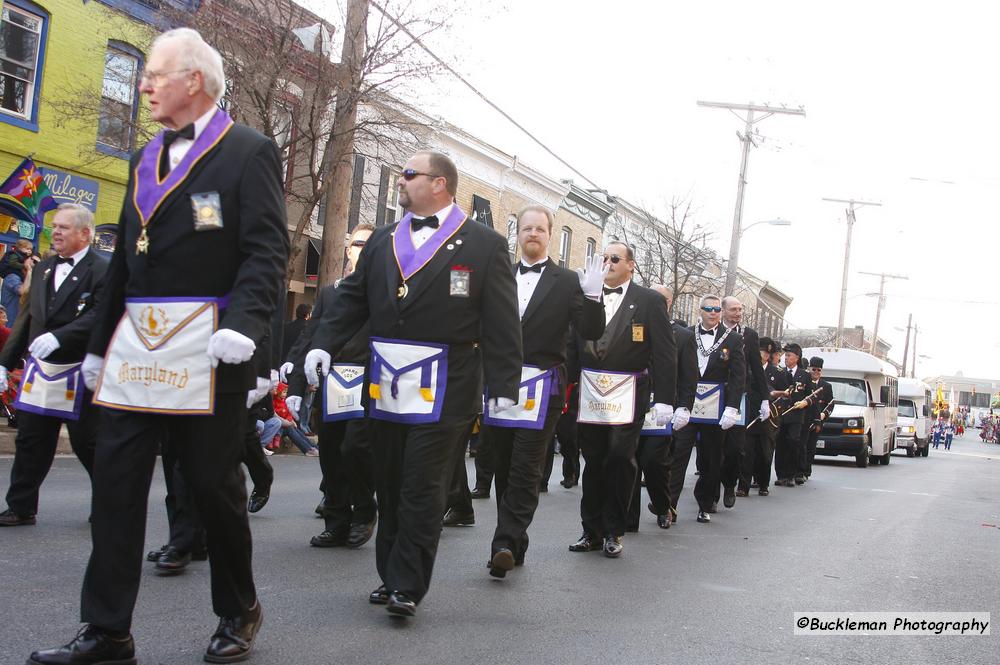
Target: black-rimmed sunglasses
point(614, 258)
point(358, 243)
point(410, 174)
point(711, 309)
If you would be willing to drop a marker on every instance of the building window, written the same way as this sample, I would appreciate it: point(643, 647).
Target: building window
point(512, 235)
point(282, 126)
point(392, 197)
point(118, 98)
point(22, 43)
point(565, 242)
point(591, 249)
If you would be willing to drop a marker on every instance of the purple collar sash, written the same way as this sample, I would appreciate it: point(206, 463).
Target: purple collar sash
point(149, 191)
point(411, 259)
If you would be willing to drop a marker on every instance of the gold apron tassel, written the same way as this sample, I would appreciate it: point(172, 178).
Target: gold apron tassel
point(26, 388)
point(427, 394)
point(70, 395)
point(529, 404)
point(375, 391)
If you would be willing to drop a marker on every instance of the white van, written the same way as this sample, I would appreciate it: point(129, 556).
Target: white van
point(863, 421)
point(913, 429)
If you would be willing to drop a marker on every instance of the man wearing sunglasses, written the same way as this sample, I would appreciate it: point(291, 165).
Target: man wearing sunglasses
point(722, 376)
point(440, 298)
point(634, 357)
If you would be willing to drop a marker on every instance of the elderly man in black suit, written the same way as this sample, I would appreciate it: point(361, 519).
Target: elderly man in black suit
point(59, 318)
point(440, 299)
point(634, 357)
point(550, 299)
point(722, 375)
point(171, 346)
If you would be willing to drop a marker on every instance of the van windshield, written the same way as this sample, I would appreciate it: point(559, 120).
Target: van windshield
point(849, 391)
point(907, 408)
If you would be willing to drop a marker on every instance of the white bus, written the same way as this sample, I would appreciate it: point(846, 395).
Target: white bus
point(913, 431)
point(862, 424)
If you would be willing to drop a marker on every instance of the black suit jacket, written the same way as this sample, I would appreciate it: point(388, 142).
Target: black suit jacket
point(687, 366)
point(756, 384)
point(820, 402)
point(726, 365)
point(482, 329)
point(68, 313)
point(799, 383)
point(243, 260)
point(618, 349)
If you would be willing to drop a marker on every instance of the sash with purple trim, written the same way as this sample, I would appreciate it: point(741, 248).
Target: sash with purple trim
point(408, 380)
point(536, 386)
point(607, 398)
point(149, 192)
point(51, 390)
point(410, 259)
point(342, 393)
point(157, 362)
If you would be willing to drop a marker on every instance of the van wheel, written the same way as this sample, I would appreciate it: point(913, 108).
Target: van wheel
point(909, 452)
point(862, 460)
point(926, 451)
point(885, 459)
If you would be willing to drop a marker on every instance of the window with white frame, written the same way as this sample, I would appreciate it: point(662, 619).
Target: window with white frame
point(392, 197)
point(565, 242)
point(21, 34)
point(118, 98)
point(591, 249)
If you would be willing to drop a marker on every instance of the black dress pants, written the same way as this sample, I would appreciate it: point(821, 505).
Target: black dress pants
point(518, 457)
point(809, 452)
point(258, 467)
point(484, 463)
point(653, 459)
point(413, 468)
point(209, 450)
point(35, 448)
point(186, 531)
point(733, 452)
point(786, 450)
point(759, 455)
point(709, 440)
point(608, 476)
point(459, 496)
point(347, 464)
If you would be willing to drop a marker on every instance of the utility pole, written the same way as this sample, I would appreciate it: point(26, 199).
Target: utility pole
point(746, 138)
point(340, 146)
point(913, 371)
point(906, 347)
point(851, 203)
point(881, 304)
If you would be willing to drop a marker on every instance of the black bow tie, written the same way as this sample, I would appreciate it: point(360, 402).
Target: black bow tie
point(429, 222)
point(521, 268)
point(185, 132)
point(619, 290)
point(702, 331)
point(64, 259)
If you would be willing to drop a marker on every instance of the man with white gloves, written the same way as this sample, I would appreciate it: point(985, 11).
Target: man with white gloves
point(60, 315)
point(722, 370)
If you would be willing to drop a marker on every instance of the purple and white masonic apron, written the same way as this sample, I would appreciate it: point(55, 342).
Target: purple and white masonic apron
point(607, 398)
point(649, 426)
point(49, 389)
point(533, 394)
point(408, 380)
point(342, 392)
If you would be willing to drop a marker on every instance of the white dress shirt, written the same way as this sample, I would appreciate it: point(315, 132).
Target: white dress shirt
point(180, 146)
point(64, 269)
point(526, 284)
point(612, 301)
point(706, 342)
point(424, 234)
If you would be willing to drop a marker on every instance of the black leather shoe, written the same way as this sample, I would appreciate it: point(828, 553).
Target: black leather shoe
point(763, 491)
point(613, 547)
point(91, 646)
point(360, 533)
point(319, 510)
point(10, 518)
point(329, 539)
point(568, 482)
point(257, 501)
point(400, 605)
point(501, 563)
point(704, 517)
point(663, 521)
point(451, 518)
point(754, 485)
point(478, 493)
point(800, 480)
point(173, 561)
point(729, 497)
point(234, 637)
point(154, 555)
point(379, 596)
point(585, 544)
point(741, 492)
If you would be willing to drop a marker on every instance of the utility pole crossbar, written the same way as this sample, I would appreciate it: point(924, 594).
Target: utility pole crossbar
point(881, 304)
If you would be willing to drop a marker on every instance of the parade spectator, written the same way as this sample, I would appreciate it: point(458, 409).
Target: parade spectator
point(293, 328)
point(4, 327)
point(949, 433)
point(12, 271)
point(288, 426)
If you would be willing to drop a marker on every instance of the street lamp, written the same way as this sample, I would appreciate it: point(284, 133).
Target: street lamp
point(732, 267)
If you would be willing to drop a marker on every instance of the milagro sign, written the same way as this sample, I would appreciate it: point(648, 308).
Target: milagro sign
point(71, 188)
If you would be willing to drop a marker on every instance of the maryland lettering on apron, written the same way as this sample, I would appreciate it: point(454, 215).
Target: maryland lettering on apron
point(533, 394)
point(408, 380)
point(607, 398)
point(49, 389)
point(342, 393)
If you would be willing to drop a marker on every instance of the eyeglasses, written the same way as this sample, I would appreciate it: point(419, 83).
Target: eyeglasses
point(711, 309)
point(358, 243)
point(614, 258)
point(155, 77)
point(410, 174)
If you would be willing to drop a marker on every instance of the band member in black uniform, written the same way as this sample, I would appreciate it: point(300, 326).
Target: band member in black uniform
point(721, 366)
point(654, 452)
point(54, 331)
point(788, 446)
point(817, 413)
point(550, 299)
point(205, 194)
point(756, 466)
point(441, 301)
point(756, 404)
point(635, 355)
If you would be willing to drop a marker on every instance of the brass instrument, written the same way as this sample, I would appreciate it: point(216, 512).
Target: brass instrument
point(776, 413)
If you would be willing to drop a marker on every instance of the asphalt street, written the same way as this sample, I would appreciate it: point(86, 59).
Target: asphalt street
point(916, 535)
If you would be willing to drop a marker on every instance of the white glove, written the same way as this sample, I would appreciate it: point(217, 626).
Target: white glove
point(257, 394)
point(43, 346)
point(729, 417)
point(3, 379)
point(681, 418)
point(294, 403)
point(498, 404)
point(230, 347)
point(284, 371)
point(592, 279)
point(765, 410)
point(91, 369)
point(663, 412)
point(313, 358)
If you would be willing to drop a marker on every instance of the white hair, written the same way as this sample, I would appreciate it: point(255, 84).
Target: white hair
point(708, 297)
point(194, 53)
point(81, 216)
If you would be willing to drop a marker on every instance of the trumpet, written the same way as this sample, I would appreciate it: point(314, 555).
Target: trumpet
point(775, 410)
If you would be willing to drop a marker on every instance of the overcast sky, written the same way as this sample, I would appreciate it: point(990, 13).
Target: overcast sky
point(901, 102)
